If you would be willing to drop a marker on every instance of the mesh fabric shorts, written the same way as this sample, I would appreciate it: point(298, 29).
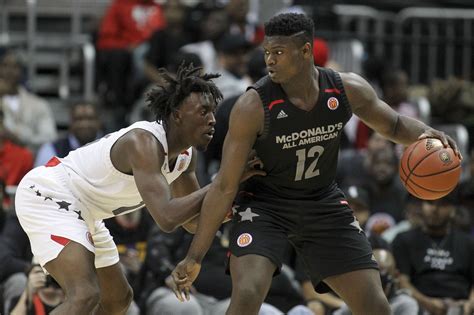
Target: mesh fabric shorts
point(51, 217)
point(326, 235)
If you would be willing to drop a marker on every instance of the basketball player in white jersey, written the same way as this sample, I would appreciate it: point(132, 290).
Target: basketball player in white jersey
point(61, 205)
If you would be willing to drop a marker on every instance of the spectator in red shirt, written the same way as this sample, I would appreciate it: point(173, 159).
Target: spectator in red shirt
point(15, 160)
point(129, 23)
point(122, 44)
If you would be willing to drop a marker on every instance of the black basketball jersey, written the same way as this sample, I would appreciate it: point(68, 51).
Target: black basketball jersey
point(299, 149)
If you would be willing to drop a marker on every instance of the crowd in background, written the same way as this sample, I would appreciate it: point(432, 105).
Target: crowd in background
point(425, 249)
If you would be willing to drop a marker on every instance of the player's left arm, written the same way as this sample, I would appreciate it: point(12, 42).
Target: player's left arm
point(379, 116)
point(184, 185)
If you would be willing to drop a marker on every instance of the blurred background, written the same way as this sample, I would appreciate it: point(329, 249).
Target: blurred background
point(74, 70)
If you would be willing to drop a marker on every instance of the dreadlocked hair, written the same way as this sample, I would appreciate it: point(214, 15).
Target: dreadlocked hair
point(168, 94)
point(288, 24)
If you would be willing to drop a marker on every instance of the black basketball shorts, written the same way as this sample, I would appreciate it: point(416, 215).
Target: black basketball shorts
point(326, 235)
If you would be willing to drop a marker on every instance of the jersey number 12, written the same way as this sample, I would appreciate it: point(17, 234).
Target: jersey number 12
point(315, 152)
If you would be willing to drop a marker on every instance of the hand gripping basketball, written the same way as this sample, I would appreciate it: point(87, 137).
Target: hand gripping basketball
point(429, 169)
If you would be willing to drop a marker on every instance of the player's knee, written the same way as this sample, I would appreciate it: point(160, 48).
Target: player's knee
point(85, 299)
point(379, 305)
point(383, 307)
point(249, 292)
point(119, 302)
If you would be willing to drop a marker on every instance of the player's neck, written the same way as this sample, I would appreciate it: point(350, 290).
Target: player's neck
point(439, 231)
point(303, 89)
point(176, 143)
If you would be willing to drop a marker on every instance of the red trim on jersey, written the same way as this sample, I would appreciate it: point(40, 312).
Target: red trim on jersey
point(246, 193)
point(39, 306)
point(332, 91)
point(275, 102)
point(53, 162)
point(60, 240)
point(185, 152)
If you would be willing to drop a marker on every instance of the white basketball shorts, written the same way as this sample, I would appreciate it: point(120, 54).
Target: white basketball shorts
point(52, 217)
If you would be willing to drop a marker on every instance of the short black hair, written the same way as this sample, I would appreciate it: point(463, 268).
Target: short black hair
point(168, 95)
point(288, 24)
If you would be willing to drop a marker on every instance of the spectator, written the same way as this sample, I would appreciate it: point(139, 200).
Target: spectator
point(15, 260)
point(386, 192)
point(2, 210)
point(353, 164)
point(165, 42)
point(320, 52)
point(400, 301)
point(28, 119)
point(122, 44)
point(140, 110)
point(15, 162)
point(436, 261)
point(412, 219)
point(212, 287)
point(395, 92)
point(84, 127)
point(213, 25)
point(129, 23)
point(41, 295)
point(232, 53)
point(242, 22)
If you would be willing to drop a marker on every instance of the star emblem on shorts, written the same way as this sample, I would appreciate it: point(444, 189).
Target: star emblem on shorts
point(38, 193)
point(79, 215)
point(234, 209)
point(48, 198)
point(63, 205)
point(356, 225)
point(247, 215)
point(32, 187)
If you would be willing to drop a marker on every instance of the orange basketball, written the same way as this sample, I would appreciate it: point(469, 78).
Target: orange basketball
point(428, 170)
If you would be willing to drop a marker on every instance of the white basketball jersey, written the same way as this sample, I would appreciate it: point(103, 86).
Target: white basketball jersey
point(100, 187)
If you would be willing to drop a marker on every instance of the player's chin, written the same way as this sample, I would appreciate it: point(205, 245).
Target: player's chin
point(201, 147)
point(275, 79)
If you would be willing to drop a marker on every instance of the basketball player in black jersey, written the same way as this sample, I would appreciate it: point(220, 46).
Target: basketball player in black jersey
point(294, 118)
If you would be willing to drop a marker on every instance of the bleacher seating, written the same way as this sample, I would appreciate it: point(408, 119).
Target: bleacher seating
point(57, 39)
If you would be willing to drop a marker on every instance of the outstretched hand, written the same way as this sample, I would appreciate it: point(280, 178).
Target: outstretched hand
point(183, 277)
point(254, 167)
point(444, 138)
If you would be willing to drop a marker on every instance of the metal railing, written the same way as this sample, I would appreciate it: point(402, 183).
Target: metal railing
point(426, 42)
point(71, 41)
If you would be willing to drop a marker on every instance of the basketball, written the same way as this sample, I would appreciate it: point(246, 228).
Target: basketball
point(428, 170)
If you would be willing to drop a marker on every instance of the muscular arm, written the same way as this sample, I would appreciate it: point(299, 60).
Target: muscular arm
point(382, 118)
point(139, 152)
point(244, 125)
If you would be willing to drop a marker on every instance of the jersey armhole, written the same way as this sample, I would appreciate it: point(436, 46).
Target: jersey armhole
point(340, 87)
point(266, 112)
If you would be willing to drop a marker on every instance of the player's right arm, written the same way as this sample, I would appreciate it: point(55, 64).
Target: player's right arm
point(380, 117)
point(246, 122)
point(139, 153)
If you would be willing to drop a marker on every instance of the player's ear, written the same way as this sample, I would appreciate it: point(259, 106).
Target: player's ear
point(176, 116)
point(307, 50)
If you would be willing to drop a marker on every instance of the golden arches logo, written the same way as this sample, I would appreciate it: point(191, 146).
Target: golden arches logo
point(333, 103)
point(244, 240)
